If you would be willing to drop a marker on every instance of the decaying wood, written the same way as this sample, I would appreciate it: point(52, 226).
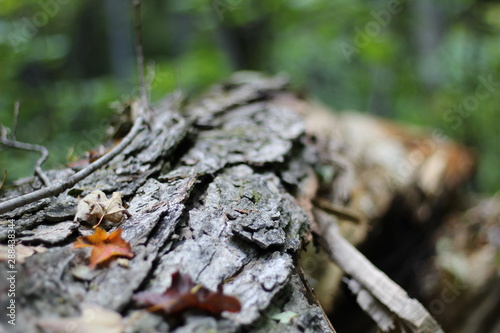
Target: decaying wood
point(206, 192)
point(465, 269)
point(228, 190)
point(385, 301)
point(401, 180)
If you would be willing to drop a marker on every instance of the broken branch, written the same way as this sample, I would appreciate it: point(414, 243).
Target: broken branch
point(374, 281)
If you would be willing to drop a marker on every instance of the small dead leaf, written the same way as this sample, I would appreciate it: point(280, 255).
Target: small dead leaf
point(83, 210)
point(97, 207)
point(104, 246)
point(94, 319)
point(184, 295)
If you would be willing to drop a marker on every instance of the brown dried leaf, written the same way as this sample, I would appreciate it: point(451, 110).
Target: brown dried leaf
point(97, 207)
point(184, 295)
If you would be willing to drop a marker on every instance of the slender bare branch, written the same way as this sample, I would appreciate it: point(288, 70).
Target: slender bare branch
point(138, 50)
point(61, 186)
point(9, 140)
point(44, 152)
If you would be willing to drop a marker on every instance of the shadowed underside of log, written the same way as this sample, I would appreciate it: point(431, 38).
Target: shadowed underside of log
point(211, 191)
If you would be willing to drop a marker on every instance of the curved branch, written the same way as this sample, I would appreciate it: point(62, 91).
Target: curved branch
point(57, 189)
point(31, 147)
point(12, 142)
point(60, 187)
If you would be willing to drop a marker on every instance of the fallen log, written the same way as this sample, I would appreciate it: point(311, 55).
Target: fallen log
point(226, 190)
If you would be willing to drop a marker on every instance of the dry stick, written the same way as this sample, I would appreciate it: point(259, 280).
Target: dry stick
point(375, 281)
point(12, 142)
point(385, 319)
point(138, 50)
point(31, 147)
point(60, 187)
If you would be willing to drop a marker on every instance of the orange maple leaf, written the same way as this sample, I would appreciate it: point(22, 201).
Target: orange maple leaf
point(104, 246)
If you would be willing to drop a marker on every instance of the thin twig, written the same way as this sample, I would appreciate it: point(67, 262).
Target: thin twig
point(10, 141)
point(138, 50)
point(60, 187)
point(44, 152)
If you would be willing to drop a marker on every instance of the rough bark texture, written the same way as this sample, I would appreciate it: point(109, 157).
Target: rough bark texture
point(210, 192)
point(228, 189)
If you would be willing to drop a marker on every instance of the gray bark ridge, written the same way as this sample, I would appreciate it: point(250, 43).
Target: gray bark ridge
point(206, 191)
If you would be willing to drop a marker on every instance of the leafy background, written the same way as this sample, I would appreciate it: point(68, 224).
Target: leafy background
point(67, 61)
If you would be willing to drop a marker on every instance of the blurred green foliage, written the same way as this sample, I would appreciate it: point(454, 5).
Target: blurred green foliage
point(414, 61)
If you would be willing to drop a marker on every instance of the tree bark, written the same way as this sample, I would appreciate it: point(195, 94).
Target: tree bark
point(211, 188)
point(228, 190)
